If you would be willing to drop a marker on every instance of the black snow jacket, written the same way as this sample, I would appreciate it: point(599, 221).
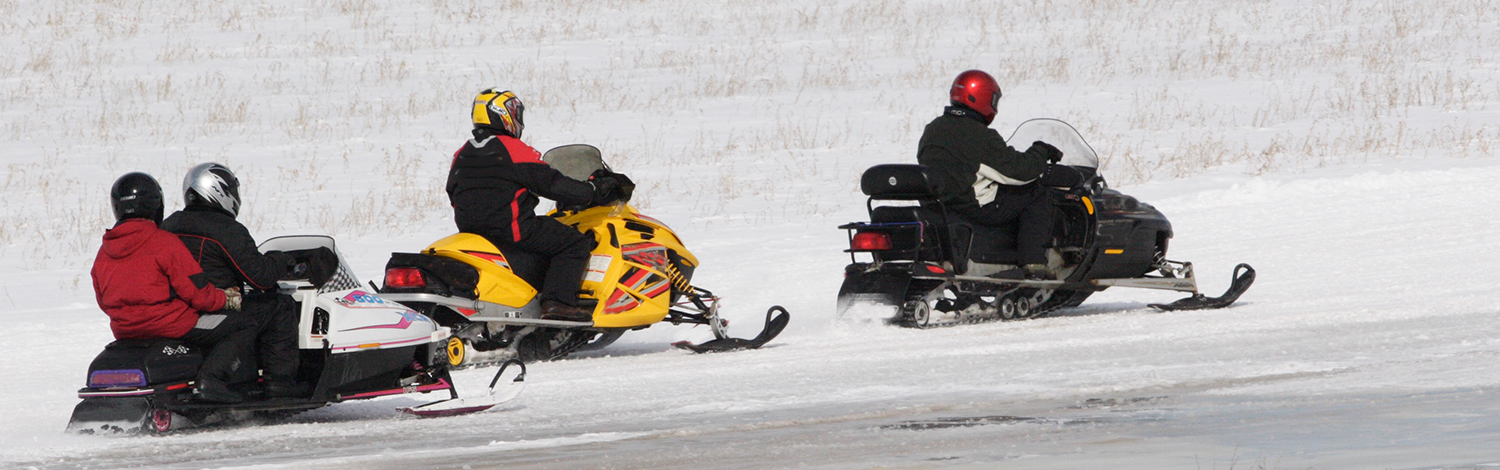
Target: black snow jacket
point(226, 251)
point(494, 182)
point(956, 144)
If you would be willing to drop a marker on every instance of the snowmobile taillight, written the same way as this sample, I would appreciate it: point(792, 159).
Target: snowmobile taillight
point(870, 241)
point(404, 278)
point(117, 378)
point(935, 269)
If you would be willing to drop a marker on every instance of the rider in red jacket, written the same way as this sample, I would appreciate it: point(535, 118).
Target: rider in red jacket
point(150, 286)
point(144, 280)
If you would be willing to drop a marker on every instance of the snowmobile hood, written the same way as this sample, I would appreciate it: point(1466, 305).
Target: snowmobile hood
point(127, 237)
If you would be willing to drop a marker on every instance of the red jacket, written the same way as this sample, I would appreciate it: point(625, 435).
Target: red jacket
point(148, 283)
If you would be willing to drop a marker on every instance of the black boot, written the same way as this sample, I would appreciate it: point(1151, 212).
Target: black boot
point(554, 310)
point(213, 390)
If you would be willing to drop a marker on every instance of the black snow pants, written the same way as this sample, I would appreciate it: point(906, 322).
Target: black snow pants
point(565, 249)
point(228, 339)
point(1030, 207)
point(265, 327)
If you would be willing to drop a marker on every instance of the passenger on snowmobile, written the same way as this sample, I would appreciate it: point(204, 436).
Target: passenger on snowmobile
point(229, 257)
point(493, 186)
point(985, 180)
point(151, 288)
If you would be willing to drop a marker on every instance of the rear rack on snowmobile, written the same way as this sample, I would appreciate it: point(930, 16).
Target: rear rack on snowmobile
point(915, 251)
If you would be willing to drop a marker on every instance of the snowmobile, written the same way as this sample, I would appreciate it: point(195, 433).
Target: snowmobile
point(353, 345)
point(928, 267)
point(638, 274)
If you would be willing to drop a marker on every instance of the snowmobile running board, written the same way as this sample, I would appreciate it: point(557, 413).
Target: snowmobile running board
point(1182, 280)
point(1177, 276)
point(458, 406)
point(488, 311)
point(1160, 283)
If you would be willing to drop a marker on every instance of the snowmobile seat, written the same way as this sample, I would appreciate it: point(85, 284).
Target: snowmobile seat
point(895, 214)
point(158, 360)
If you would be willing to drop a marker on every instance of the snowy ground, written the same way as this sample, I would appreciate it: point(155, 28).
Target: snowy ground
point(1342, 148)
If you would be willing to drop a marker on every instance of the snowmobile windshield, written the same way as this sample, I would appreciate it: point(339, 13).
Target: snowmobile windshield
point(1076, 152)
point(343, 279)
point(576, 161)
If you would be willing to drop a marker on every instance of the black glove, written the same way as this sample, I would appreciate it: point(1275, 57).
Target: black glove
point(317, 265)
point(605, 188)
point(627, 187)
point(1053, 154)
point(610, 186)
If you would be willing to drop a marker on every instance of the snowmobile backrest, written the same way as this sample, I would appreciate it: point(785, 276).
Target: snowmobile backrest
point(161, 361)
point(899, 181)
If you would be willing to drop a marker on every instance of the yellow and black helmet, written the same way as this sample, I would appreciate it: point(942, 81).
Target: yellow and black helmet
point(499, 111)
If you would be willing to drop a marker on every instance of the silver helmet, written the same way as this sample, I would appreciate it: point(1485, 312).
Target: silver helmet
point(212, 185)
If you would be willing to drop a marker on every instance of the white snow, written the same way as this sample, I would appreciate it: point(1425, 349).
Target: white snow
point(1342, 148)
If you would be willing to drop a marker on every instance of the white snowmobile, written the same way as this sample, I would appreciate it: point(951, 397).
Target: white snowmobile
point(354, 345)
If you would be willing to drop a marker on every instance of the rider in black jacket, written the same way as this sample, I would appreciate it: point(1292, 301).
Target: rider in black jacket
point(493, 185)
point(230, 259)
point(983, 178)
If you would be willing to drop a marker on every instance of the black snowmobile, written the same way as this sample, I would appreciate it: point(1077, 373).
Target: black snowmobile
point(936, 269)
point(354, 345)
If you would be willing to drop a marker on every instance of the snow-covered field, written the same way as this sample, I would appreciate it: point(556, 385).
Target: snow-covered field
point(1343, 148)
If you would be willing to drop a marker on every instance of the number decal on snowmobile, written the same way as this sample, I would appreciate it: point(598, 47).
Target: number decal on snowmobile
point(362, 299)
point(407, 318)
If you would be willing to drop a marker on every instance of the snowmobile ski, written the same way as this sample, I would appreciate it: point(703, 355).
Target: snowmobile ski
point(774, 324)
point(458, 406)
point(1241, 282)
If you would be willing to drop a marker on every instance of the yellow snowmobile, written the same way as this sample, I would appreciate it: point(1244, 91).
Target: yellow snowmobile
point(638, 275)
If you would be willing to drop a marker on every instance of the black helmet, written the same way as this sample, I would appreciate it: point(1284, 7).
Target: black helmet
point(500, 111)
point(136, 196)
point(212, 185)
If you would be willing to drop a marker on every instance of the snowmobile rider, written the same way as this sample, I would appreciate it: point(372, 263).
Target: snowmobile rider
point(229, 257)
point(985, 180)
point(493, 185)
point(151, 288)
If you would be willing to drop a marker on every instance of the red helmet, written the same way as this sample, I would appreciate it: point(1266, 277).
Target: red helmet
point(978, 91)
